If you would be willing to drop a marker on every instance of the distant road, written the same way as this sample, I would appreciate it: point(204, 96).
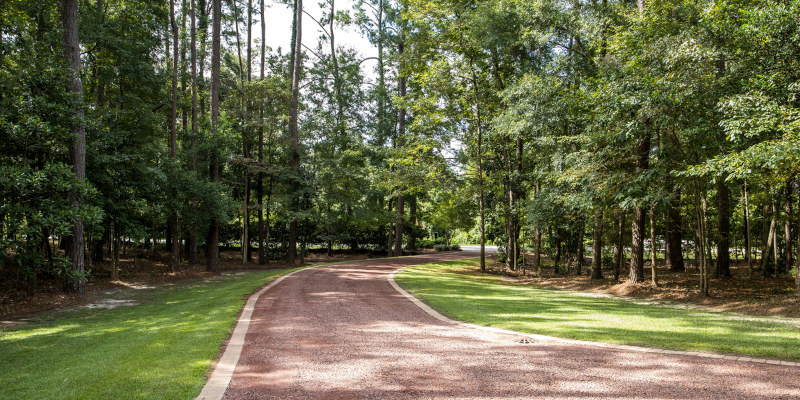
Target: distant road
point(489, 249)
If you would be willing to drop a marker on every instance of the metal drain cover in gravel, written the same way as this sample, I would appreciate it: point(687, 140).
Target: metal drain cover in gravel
point(525, 341)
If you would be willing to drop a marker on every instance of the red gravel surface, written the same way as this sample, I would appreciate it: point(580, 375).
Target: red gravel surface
point(343, 332)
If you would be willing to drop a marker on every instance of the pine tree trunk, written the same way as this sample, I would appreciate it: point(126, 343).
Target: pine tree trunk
point(77, 149)
point(579, 253)
point(619, 249)
point(173, 134)
point(412, 219)
point(193, 157)
point(597, 244)
point(674, 237)
point(653, 248)
point(537, 241)
point(401, 132)
point(788, 227)
point(260, 178)
point(390, 236)
point(114, 252)
point(212, 242)
point(637, 227)
point(398, 227)
point(724, 229)
point(748, 255)
point(294, 159)
point(797, 258)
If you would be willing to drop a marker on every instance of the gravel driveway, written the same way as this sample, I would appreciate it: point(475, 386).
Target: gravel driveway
point(343, 332)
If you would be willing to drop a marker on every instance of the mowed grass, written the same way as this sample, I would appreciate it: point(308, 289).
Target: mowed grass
point(455, 290)
point(162, 348)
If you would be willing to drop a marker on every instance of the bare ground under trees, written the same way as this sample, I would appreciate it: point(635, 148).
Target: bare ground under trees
point(20, 299)
point(742, 292)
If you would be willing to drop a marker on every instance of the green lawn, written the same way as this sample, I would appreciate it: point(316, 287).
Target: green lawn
point(452, 289)
point(162, 348)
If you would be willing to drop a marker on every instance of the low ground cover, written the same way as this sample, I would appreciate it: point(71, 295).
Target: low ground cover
point(457, 291)
point(162, 348)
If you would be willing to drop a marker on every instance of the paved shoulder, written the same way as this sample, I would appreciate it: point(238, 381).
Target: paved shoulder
point(342, 331)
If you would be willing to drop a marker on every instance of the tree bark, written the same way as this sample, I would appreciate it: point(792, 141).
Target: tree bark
point(653, 248)
point(77, 150)
point(537, 241)
point(788, 228)
point(597, 244)
point(724, 229)
point(619, 250)
point(637, 228)
point(579, 253)
point(212, 242)
point(674, 236)
point(748, 255)
point(294, 157)
point(260, 178)
point(767, 249)
point(401, 132)
point(193, 157)
point(398, 226)
point(173, 134)
point(412, 219)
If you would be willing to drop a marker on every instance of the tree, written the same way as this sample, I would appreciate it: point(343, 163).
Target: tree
point(294, 154)
point(212, 241)
point(77, 150)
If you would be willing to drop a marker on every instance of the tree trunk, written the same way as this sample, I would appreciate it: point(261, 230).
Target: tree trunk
point(767, 249)
point(212, 242)
point(674, 236)
point(748, 255)
point(294, 158)
point(579, 259)
point(193, 157)
point(797, 259)
point(537, 241)
point(637, 231)
point(653, 248)
point(390, 237)
point(401, 132)
point(619, 249)
point(479, 156)
point(260, 176)
point(173, 134)
point(381, 77)
point(788, 228)
point(637, 246)
point(114, 252)
point(398, 227)
point(702, 234)
point(597, 244)
point(77, 149)
point(412, 218)
point(724, 226)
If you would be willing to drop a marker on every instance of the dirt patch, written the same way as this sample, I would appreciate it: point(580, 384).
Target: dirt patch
point(742, 293)
point(21, 300)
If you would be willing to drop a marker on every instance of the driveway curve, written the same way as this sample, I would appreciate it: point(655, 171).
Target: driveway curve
point(343, 332)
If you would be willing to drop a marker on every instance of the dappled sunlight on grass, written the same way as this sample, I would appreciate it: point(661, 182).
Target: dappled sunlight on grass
point(162, 348)
point(454, 289)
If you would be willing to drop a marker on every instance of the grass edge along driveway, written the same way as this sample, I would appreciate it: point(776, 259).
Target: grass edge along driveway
point(455, 290)
point(162, 348)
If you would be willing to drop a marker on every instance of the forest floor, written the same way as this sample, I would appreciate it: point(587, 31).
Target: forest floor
point(759, 295)
point(19, 300)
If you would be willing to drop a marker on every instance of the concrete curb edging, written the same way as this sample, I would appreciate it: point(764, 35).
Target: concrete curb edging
point(223, 372)
point(640, 349)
